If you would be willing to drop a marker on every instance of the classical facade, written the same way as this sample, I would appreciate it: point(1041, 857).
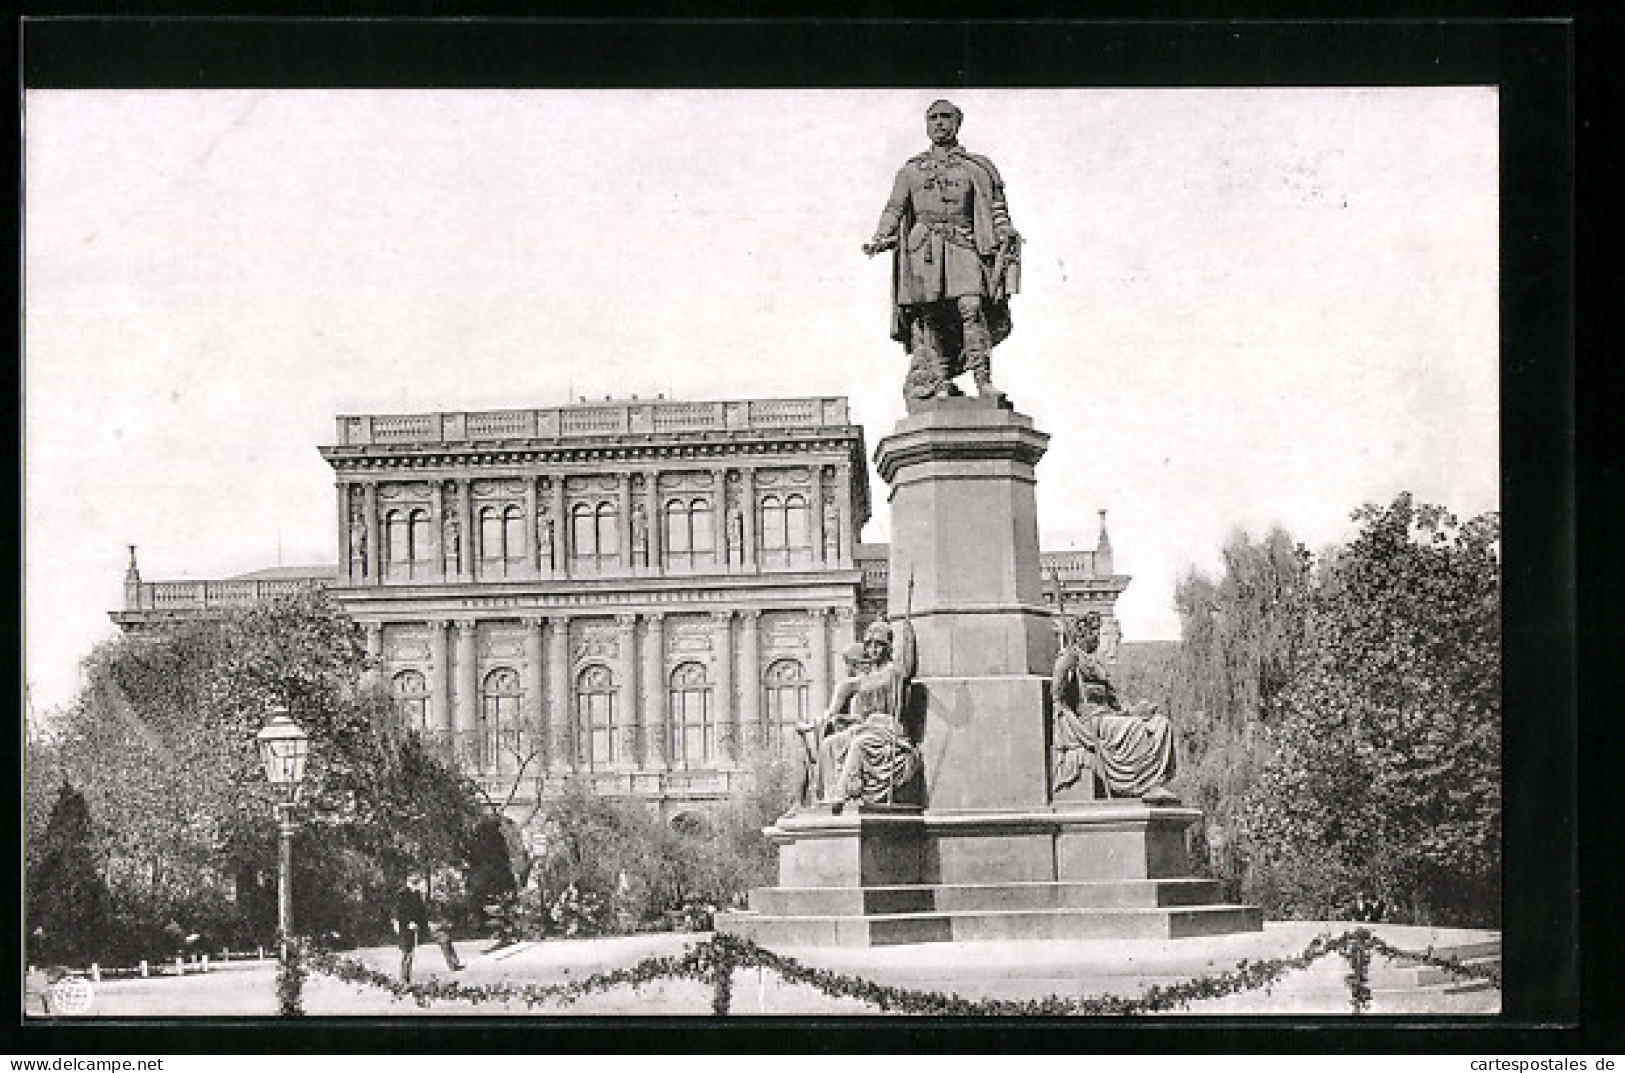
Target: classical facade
point(648, 594)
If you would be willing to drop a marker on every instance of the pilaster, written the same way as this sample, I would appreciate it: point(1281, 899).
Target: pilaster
point(440, 688)
point(728, 713)
point(624, 530)
point(815, 509)
point(747, 506)
point(437, 527)
point(657, 550)
point(532, 537)
point(723, 514)
point(818, 695)
point(346, 560)
point(465, 716)
point(535, 702)
point(465, 549)
point(562, 756)
point(561, 526)
point(750, 676)
point(369, 515)
point(657, 732)
point(843, 508)
point(626, 669)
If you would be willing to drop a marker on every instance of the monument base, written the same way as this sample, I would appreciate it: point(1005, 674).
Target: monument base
point(878, 875)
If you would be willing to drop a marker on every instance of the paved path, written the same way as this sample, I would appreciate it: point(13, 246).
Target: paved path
point(1008, 969)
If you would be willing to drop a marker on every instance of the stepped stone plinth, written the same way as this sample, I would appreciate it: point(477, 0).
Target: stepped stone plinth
point(991, 854)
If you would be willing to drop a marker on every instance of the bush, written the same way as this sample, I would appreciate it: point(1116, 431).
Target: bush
point(67, 903)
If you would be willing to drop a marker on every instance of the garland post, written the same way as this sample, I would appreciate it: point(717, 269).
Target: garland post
point(290, 977)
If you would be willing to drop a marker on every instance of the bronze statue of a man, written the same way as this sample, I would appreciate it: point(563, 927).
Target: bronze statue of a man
point(956, 262)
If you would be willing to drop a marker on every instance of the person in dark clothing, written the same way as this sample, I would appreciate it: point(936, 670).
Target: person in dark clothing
point(412, 926)
point(1369, 911)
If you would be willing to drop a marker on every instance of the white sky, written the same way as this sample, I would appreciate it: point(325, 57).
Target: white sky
point(1239, 306)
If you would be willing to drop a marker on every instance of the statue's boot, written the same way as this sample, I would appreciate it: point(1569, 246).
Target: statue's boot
point(978, 357)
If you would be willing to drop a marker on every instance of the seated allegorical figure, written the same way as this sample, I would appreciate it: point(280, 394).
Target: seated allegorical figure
point(825, 742)
point(866, 754)
point(1130, 753)
point(881, 757)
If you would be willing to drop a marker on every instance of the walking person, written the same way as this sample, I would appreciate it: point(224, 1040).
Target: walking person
point(411, 922)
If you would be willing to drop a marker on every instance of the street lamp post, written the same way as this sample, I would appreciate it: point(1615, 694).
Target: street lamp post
point(283, 746)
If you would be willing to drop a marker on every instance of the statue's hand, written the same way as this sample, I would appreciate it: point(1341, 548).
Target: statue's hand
point(879, 244)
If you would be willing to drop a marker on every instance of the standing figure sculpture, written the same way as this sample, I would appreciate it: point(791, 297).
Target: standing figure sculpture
point(956, 262)
point(640, 535)
point(1132, 754)
point(876, 757)
point(544, 537)
point(358, 538)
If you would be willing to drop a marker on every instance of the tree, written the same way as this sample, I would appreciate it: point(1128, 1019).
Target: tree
point(66, 902)
point(162, 736)
point(1241, 632)
point(1240, 648)
point(1384, 769)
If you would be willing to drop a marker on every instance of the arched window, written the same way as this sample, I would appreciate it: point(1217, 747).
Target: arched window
point(607, 520)
point(513, 535)
point(786, 530)
point(419, 535)
point(701, 520)
point(690, 535)
point(797, 528)
point(409, 692)
point(583, 537)
point(499, 745)
point(693, 719)
point(784, 687)
point(397, 538)
point(679, 538)
point(773, 533)
point(595, 536)
point(598, 741)
point(490, 534)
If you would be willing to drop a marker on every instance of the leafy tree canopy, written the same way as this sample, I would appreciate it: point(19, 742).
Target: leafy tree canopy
point(1384, 770)
point(162, 739)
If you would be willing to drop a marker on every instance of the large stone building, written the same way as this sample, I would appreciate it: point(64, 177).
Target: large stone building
point(646, 593)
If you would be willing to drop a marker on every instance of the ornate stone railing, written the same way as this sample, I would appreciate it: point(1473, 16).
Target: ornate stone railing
point(202, 595)
point(875, 572)
point(1069, 565)
point(611, 417)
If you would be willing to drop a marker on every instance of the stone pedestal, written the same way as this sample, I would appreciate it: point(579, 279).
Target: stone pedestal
point(964, 540)
point(1106, 870)
point(992, 855)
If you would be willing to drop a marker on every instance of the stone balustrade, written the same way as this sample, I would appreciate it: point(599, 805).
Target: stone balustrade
point(1068, 565)
point(206, 595)
point(610, 417)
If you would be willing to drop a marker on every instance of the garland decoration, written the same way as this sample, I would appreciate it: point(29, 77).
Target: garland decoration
point(714, 962)
point(1490, 973)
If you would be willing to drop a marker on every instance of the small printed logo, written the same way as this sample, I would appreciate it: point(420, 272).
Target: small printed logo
point(72, 995)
